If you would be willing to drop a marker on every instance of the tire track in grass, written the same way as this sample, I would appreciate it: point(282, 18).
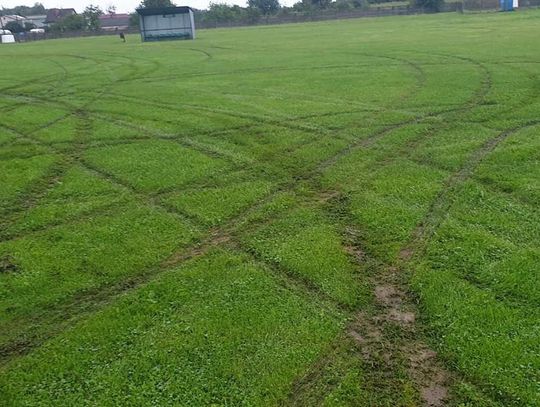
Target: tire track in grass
point(444, 200)
point(90, 301)
point(286, 68)
point(147, 199)
point(281, 121)
point(184, 141)
point(75, 157)
point(393, 297)
point(68, 313)
point(137, 72)
point(388, 337)
point(420, 83)
point(44, 79)
point(37, 191)
point(433, 393)
point(219, 235)
point(54, 80)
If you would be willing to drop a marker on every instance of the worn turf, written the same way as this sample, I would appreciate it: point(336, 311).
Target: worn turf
point(337, 213)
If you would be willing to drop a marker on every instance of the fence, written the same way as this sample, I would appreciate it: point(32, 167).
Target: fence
point(328, 15)
point(27, 37)
point(464, 6)
point(494, 5)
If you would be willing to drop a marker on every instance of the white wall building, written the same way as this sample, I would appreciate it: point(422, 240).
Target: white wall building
point(9, 18)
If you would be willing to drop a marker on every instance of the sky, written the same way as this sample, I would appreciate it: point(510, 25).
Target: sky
point(122, 6)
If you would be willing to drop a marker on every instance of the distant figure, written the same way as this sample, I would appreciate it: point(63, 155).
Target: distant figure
point(122, 36)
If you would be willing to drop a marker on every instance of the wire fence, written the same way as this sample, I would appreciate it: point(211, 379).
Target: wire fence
point(52, 35)
point(494, 5)
point(460, 7)
point(324, 15)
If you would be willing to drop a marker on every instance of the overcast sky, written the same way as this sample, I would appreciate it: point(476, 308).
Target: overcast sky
point(122, 6)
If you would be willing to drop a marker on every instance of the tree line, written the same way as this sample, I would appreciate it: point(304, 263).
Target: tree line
point(257, 10)
point(217, 12)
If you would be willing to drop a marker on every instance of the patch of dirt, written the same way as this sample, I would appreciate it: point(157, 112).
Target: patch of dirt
point(7, 265)
point(356, 252)
point(326, 196)
point(402, 317)
point(420, 357)
point(428, 373)
point(388, 295)
point(434, 395)
point(356, 336)
point(388, 354)
point(406, 253)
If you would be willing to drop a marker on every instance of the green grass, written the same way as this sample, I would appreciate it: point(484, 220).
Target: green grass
point(182, 340)
point(143, 164)
point(73, 258)
point(202, 222)
point(306, 245)
point(215, 205)
point(18, 175)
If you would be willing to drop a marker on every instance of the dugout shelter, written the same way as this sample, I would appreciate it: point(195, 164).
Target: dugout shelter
point(166, 23)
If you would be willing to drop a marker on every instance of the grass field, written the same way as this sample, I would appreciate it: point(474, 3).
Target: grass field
point(340, 213)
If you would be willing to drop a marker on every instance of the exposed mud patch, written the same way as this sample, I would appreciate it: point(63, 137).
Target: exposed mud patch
point(388, 295)
point(8, 266)
point(356, 252)
point(434, 395)
point(326, 196)
point(402, 317)
point(406, 253)
point(428, 373)
point(390, 341)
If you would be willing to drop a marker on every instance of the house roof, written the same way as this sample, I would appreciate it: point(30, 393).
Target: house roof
point(13, 17)
point(57, 14)
point(37, 17)
point(163, 10)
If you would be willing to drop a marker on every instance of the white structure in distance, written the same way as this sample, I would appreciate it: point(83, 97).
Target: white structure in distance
point(166, 23)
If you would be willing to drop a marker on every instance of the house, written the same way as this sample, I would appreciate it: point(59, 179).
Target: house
point(55, 15)
point(166, 23)
point(38, 21)
point(114, 22)
point(11, 18)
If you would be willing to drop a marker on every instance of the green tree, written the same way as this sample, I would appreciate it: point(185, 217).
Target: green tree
point(36, 9)
point(322, 4)
point(14, 27)
point(222, 12)
point(266, 7)
point(29, 26)
point(74, 22)
point(91, 16)
point(343, 5)
point(156, 3)
point(134, 20)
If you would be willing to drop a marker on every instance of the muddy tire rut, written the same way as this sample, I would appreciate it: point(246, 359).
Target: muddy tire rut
point(390, 335)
